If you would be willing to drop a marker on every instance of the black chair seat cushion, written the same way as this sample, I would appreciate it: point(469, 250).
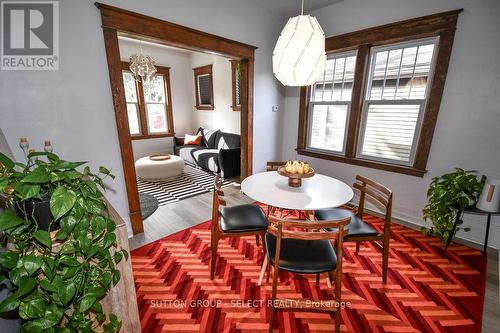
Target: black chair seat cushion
point(303, 256)
point(357, 227)
point(243, 218)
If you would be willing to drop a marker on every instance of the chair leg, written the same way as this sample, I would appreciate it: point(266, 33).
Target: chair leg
point(317, 279)
point(337, 320)
point(215, 244)
point(263, 270)
point(385, 260)
point(273, 296)
point(338, 293)
point(268, 273)
point(357, 246)
point(257, 239)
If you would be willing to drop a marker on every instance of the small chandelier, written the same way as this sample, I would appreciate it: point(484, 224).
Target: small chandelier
point(299, 56)
point(142, 66)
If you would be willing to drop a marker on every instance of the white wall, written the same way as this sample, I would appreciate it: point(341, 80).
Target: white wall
point(186, 118)
point(181, 84)
point(222, 117)
point(73, 106)
point(466, 134)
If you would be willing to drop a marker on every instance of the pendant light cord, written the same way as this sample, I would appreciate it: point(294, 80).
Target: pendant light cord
point(302, 8)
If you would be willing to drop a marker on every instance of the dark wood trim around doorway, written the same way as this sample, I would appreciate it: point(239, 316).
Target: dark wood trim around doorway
point(117, 21)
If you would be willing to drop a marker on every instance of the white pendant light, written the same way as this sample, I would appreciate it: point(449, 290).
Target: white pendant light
point(299, 55)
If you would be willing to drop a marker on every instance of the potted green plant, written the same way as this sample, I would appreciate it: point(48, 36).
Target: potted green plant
point(447, 195)
point(59, 273)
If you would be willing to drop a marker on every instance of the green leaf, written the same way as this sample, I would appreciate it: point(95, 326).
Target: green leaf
point(34, 308)
point(67, 293)
point(69, 272)
point(109, 240)
point(32, 326)
point(61, 235)
point(26, 285)
point(106, 279)
point(98, 225)
point(97, 292)
point(84, 244)
point(27, 191)
point(17, 274)
point(31, 263)
point(9, 220)
point(46, 285)
point(67, 248)
point(9, 304)
point(37, 176)
point(52, 316)
point(43, 237)
point(94, 206)
point(3, 184)
point(7, 162)
point(86, 303)
point(9, 259)
point(65, 165)
point(116, 277)
point(125, 253)
point(61, 202)
point(72, 174)
point(68, 223)
point(118, 257)
point(69, 261)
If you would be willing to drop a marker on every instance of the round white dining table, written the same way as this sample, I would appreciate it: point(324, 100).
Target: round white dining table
point(317, 192)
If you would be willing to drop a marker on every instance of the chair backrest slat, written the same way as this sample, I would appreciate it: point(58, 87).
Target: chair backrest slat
point(217, 200)
point(372, 193)
point(374, 184)
point(380, 193)
point(307, 230)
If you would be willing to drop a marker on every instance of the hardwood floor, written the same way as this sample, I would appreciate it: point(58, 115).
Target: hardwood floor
point(177, 216)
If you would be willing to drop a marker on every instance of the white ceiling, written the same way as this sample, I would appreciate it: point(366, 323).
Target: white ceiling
point(292, 7)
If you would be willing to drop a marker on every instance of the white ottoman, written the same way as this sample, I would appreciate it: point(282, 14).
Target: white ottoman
point(150, 170)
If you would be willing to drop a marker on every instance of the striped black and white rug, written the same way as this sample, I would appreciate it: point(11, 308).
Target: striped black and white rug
point(192, 182)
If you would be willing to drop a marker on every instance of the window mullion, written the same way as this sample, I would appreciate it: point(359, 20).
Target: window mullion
point(142, 108)
point(413, 73)
point(354, 115)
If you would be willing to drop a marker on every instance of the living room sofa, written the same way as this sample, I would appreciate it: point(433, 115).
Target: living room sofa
point(219, 152)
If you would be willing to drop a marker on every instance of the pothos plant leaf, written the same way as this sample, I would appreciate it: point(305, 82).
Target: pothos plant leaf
point(58, 279)
point(61, 201)
point(447, 195)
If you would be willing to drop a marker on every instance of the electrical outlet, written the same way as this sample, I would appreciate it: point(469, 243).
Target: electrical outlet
point(275, 108)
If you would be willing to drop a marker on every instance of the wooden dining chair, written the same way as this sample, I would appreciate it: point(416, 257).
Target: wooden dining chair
point(234, 221)
point(358, 230)
point(274, 165)
point(305, 247)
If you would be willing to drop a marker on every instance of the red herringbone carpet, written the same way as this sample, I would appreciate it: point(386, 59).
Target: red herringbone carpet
point(428, 289)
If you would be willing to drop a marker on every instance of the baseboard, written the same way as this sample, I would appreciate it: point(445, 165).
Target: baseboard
point(406, 221)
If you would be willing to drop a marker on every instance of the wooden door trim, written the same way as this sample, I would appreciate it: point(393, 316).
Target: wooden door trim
point(117, 21)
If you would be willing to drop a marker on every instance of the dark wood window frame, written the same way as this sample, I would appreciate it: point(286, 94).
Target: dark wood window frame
point(235, 64)
point(141, 104)
point(204, 70)
point(440, 25)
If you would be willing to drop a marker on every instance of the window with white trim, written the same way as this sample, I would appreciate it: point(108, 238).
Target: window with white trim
point(330, 102)
point(395, 99)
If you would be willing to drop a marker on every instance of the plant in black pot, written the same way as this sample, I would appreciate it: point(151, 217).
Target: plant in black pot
point(61, 252)
point(447, 195)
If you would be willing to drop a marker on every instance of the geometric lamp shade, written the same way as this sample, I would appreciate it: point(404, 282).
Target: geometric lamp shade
point(299, 56)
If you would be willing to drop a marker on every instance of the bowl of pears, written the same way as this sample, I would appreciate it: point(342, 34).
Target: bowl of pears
point(295, 171)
